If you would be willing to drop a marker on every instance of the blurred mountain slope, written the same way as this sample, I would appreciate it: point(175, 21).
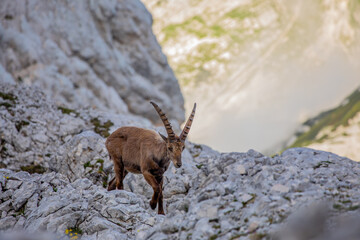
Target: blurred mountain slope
point(336, 130)
point(259, 66)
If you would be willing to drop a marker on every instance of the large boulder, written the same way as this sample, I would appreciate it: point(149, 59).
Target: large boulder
point(49, 202)
point(88, 54)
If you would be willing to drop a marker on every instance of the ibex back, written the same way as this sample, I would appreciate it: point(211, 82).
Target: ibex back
point(146, 152)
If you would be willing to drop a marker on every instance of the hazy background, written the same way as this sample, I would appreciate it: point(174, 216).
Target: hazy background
point(258, 69)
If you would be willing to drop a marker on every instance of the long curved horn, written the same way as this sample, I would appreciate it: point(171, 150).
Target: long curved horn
point(187, 126)
point(166, 122)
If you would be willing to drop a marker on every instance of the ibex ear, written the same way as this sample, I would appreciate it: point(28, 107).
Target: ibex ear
point(163, 137)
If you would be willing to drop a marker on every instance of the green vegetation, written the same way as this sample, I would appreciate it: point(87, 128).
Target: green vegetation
point(332, 119)
point(213, 237)
point(287, 198)
point(199, 166)
point(102, 128)
point(68, 111)
point(186, 207)
point(8, 96)
point(9, 100)
point(322, 164)
point(105, 181)
point(20, 124)
point(101, 168)
point(194, 25)
point(227, 27)
point(87, 164)
point(196, 155)
point(3, 150)
point(240, 13)
point(35, 168)
point(21, 211)
point(73, 233)
point(217, 30)
point(6, 105)
point(104, 177)
point(341, 207)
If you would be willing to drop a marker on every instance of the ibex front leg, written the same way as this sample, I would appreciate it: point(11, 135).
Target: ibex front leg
point(152, 180)
point(160, 199)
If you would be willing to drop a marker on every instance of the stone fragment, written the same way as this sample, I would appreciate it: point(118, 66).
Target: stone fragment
point(13, 184)
point(21, 195)
point(280, 188)
point(7, 222)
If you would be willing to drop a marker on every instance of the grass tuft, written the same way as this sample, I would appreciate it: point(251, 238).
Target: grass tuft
point(35, 168)
point(102, 128)
point(68, 111)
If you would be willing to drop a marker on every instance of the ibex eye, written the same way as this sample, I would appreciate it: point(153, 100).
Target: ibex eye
point(171, 149)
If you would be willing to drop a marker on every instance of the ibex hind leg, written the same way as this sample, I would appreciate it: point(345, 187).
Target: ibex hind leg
point(120, 173)
point(112, 184)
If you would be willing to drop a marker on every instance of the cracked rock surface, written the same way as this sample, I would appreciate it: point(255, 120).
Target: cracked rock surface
point(102, 55)
point(87, 81)
point(301, 193)
point(49, 202)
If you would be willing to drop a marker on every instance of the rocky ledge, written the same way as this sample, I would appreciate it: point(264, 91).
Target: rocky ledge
point(230, 196)
point(302, 193)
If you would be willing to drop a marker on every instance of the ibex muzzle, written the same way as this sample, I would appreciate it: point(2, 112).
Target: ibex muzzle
point(146, 152)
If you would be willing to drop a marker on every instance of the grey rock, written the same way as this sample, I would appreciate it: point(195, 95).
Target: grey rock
point(228, 195)
point(280, 188)
point(118, 69)
point(20, 224)
point(4, 196)
point(21, 195)
point(5, 206)
point(203, 229)
point(7, 222)
point(13, 184)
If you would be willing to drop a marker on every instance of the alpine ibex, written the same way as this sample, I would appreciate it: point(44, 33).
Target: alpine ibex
point(146, 152)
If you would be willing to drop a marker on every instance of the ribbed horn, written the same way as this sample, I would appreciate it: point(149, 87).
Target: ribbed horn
point(187, 126)
point(166, 122)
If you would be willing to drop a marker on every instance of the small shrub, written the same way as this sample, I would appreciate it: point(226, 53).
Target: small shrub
point(20, 124)
point(73, 233)
point(68, 111)
point(102, 128)
point(33, 169)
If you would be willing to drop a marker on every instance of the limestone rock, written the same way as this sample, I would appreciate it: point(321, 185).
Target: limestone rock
point(110, 61)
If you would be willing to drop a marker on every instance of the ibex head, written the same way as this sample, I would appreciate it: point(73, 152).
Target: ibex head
point(174, 144)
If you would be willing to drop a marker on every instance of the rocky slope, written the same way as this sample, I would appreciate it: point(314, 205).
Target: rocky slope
point(244, 61)
point(213, 196)
point(88, 54)
point(64, 89)
point(336, 130)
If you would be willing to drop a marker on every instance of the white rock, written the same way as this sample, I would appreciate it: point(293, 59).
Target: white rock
point(280, 188)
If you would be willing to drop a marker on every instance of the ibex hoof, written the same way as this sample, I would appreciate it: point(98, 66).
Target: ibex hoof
point(153, 205)
point(161, 213)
